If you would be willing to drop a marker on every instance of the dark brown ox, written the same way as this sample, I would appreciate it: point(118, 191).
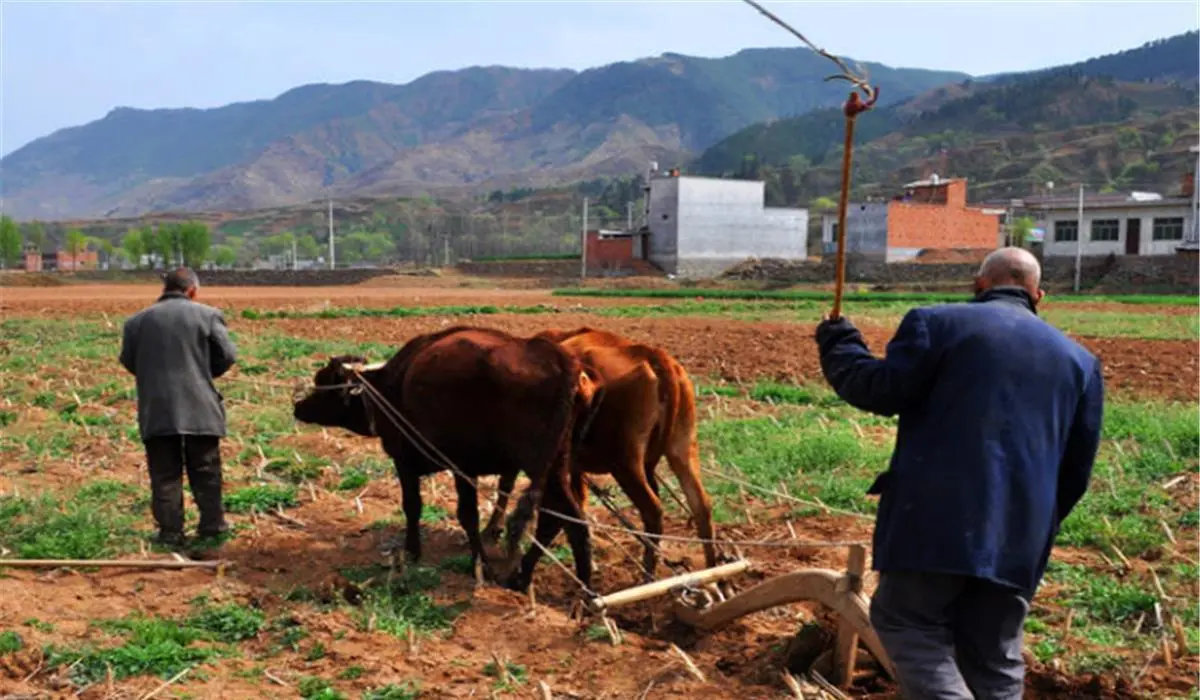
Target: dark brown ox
point(492, 404)
point(649, 410)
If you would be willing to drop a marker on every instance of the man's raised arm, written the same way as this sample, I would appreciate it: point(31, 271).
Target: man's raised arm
point(885, 387)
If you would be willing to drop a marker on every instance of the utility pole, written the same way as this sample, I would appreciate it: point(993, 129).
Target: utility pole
point(295, 266)
point(331, 263)
point(1079, 240)
point(629, 216)
point(446, 251)
point(583, 243)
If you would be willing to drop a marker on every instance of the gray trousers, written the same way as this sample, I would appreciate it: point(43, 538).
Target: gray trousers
point(951, 637)
point(200, 456)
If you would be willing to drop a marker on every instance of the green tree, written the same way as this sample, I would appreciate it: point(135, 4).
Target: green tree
point(10, 241)
point(1020, 231)
point(76, 244)
point(167, 244)
point(134, 245)
point(36, 235)
point(195, 241)
point(224, 256)
point(822, 204)
point(101, 245)
point(307, 247)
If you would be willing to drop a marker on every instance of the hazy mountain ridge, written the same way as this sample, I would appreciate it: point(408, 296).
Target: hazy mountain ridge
point(444, 131)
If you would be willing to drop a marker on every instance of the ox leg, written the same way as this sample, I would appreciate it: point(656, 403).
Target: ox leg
point(496, 522)
point(631, 477)
point(684, 458)
point(468, 517)
point(410, 493)
point(578, 533)
point(548, 527)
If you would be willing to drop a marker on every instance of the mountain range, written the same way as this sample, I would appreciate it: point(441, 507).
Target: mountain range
point(1124, 121)
point(486, 128)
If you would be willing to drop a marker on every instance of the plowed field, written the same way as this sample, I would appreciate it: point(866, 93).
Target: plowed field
point(306, 576)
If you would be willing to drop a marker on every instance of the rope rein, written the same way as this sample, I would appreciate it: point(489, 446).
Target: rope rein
point(854, 106)
point(409, 431)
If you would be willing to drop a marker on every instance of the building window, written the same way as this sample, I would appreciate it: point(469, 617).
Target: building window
point(1066, 231)
point(833, 232)
point(1169, 229)
point(1106, 230)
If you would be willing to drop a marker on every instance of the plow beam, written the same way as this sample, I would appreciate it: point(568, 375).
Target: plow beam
point(665, 586)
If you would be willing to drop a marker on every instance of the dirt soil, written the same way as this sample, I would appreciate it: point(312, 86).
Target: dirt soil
point(274, 556)
point(730, 349)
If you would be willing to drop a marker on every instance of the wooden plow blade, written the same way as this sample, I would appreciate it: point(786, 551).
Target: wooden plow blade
point(840, 592)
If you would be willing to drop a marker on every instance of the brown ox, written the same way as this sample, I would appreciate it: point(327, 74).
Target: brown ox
point(649, 410)
point(491, 403)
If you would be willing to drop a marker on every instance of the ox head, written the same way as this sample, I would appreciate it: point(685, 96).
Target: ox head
point(336, 398)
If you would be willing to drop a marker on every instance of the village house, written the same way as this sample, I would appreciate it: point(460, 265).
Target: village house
point(60, 260)
point(1136, 223)
point(931, 215)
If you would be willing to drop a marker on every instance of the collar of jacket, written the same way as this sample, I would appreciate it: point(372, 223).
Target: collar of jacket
point(1008, 295)
point(172, 295)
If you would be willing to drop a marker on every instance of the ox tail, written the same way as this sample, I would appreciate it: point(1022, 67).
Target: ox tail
point(669, 403)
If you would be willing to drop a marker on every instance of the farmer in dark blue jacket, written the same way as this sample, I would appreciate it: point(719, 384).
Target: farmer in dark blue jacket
point(999, 423)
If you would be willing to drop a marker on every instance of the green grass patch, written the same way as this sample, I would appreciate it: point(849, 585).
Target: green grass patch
point(94, 524)
point(10, 642)
point(814, 455)
point(854, 297)
point(228, 623)
point(313, 688)
point(404, 691)
point(260, 498)
point(397, 603)
point(353, 480)
point(510, 678)
point(150, 646)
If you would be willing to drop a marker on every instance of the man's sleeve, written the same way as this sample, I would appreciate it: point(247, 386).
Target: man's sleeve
point(886, 386)
point(1075, 470)
point(129, 348)
point(222, 350)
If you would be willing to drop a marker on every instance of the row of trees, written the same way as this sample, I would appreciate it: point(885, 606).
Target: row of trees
point(188, 243)
point(12, 242)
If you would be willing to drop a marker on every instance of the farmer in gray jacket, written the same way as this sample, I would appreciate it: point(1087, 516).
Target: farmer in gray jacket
point(175, 348)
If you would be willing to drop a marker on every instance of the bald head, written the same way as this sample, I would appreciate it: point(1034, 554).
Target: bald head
point(1010, 267)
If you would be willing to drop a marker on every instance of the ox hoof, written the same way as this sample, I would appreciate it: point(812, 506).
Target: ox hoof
point(516, 582)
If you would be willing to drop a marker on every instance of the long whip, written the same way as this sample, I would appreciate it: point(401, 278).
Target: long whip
point(854, 106)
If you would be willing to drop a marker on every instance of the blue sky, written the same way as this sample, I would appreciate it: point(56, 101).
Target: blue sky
point(67, 63)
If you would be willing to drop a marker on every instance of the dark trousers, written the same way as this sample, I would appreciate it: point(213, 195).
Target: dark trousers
point(951, 637)
point(168, 457)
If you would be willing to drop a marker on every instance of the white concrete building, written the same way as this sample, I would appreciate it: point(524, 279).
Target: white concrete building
point(1118, 224)
point(701, 226)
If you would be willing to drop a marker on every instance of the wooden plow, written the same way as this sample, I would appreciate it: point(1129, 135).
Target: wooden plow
point(700, 604)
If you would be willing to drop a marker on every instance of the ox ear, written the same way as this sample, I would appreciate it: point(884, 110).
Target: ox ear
point(590, 383)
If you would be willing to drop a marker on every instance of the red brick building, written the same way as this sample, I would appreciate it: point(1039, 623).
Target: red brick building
point(616, 253)
point(60, 260)
point(930, 215)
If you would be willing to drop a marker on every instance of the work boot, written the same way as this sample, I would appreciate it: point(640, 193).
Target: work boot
point(171, 540)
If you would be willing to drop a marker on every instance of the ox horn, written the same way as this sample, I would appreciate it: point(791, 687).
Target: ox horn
point(360, 367)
